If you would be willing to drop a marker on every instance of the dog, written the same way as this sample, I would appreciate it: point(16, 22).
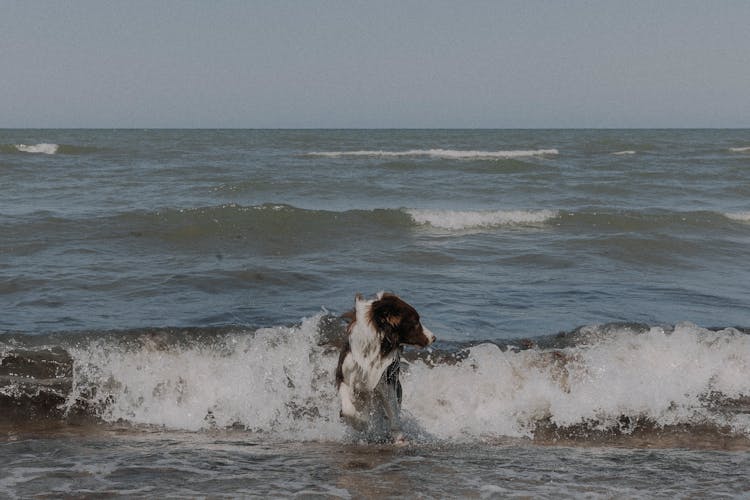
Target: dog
point(368, 370)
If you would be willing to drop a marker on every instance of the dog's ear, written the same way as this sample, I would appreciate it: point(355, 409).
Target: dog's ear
point(385, 316)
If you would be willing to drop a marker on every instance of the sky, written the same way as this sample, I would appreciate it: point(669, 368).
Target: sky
point(374, 64)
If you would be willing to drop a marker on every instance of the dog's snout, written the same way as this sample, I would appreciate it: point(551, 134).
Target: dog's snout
point(430, 336)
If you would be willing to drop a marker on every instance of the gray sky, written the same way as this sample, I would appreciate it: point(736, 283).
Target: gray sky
point(563, 63)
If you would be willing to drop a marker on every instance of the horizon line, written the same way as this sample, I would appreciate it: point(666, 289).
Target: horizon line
point(374, 128)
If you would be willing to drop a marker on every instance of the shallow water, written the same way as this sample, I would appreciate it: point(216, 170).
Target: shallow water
point(231, 464)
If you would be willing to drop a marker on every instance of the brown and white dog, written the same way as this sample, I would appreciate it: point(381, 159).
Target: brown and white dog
point(368, 371)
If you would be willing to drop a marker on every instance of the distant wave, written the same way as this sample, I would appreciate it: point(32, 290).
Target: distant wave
point(210, 221)
point(739, 216)
point(43, 148)
point(621, 153)
point(185, 226)
point(442, 153)
point(47, 148)
point(457, 220)
point(745, 149)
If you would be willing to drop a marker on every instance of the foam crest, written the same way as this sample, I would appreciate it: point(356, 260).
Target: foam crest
point(459, 220)
point(738, 216)
point(623, 153)
point(442, 153)
point(43, 148)
point(667, 378)
point(276, 381)
point(745, 149)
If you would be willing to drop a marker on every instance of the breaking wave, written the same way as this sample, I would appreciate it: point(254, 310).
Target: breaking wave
point(745, 149)
point(457, 220)
point(738, 216)
point(43, 148)
point(605, 379)
point(189, 223)
point(241, 224)
point(442, 153)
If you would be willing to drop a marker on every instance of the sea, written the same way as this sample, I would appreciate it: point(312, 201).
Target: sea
point(171, 301)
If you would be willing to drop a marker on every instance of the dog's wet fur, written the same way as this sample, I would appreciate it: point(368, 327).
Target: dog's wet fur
point(367, 375)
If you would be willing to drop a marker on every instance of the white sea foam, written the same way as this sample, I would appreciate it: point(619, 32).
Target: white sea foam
point(458, 220)
point(622, 153)
point(662, 377)
point(43, 148)
point(276, 381)
point(745, 149)
point(280, 382)
point(443, 153)
point(739, 216)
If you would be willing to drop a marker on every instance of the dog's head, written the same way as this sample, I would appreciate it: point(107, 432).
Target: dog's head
point(398, 323)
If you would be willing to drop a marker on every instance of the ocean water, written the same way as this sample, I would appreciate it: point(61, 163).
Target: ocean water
point(170, 305)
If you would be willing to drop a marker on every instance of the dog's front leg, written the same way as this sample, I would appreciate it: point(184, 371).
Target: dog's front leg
point(348, 411)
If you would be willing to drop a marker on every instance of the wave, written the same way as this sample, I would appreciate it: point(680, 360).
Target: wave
point(241, 225)
point(458, 220)
point(441, 153)
point(279, 381)
point(621, 153)
point(42, 148)
point(614, 220)
point(738, 216)
point(745, 149)
point(286, 219)
point(602, 383)
point(45, 148)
